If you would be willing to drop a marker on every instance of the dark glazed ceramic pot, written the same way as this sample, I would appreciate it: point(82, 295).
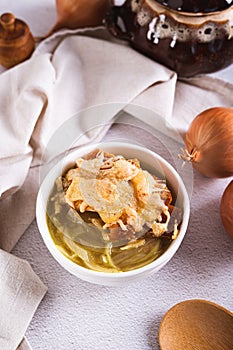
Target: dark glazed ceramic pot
point(189, 37)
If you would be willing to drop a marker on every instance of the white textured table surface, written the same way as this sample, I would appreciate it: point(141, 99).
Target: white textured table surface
point(78, 315)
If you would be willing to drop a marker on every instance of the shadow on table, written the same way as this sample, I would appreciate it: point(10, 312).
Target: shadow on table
point(153, 331)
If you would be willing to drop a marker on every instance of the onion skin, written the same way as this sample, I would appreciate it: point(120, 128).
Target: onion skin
point(226, 209)
point(74, 14)
point(209, 142)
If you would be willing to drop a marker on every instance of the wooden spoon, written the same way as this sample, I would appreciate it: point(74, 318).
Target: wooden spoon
point(196, 325)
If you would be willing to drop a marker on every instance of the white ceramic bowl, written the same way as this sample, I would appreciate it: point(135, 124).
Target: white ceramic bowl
point(150, 161)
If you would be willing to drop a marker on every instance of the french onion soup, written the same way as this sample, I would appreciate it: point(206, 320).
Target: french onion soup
point(108, 214)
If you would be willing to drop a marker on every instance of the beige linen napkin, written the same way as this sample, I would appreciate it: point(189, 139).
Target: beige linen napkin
point(68, 74)
point(20, 293)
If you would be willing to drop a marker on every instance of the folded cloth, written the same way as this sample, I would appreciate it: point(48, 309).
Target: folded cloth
point(69, 92)
point(20, 293)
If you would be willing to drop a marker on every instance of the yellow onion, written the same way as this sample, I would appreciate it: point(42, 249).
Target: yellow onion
point(75, 14)
point(209, 142)
point(226, 209)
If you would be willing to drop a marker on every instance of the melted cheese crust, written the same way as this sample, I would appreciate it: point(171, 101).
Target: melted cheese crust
point(120, 191)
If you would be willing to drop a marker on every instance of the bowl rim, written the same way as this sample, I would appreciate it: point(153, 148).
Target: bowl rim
point(83, 271)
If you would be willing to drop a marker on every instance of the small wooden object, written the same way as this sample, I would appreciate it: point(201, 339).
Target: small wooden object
point(196, 324)
point(16, 40)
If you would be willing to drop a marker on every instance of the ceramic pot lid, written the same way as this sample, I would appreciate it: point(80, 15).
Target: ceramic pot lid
point(195, 6)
